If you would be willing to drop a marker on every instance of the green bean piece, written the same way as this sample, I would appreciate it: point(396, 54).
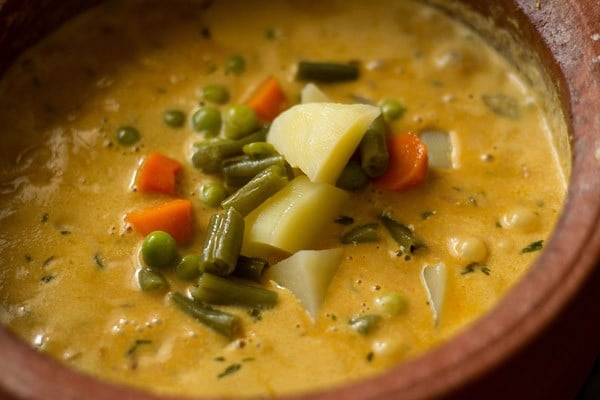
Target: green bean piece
point(374, 156)
point(240, 171)
point(236, 64)
point(159, 249)
point(223, 242)
point(238, 121)
point(361, 234)
point(352, 177)
point(151, 280)
point(188, 267)
point(215, 93)
point(128, 135)
point(213, 193)
point(260, 188)
point(207, 121)
point(226, 324)
point(392, 110)
point(174, 118)
point(214, 289)
point(392, 303)
point(364, 324)
point(259, 149)
point(402, 234)
point(250, 268)
point(209, 154)
point(327, 72)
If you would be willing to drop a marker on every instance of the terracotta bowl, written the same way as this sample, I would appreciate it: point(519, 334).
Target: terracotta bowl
point(542, 338)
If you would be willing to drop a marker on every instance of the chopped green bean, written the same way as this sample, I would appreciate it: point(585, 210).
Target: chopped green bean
point(392, 110)
point(214, 289)
point(238, 121)
point(240, 171)
point(402, 234)
point(188, 267)
point(236, 64)
point(259, 149)
point(151, 280)
point(250, 268)
point(207, 121)
point(374, 156)
point(209, 154)
point(261, 187)
point(128, 135)
point(213, 193)
point(159, 249)
point(352, 177)
point(364, 324)
point(215, 93)
point(223, 242)
point(224, 323)
point(174, 118)
point(327, 72)
point(361, 234)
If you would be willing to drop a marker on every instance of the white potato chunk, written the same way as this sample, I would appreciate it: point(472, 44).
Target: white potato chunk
point(434, 280)
point(307, 275)
point(292, 218)
point(319, 138)
point(312, 94)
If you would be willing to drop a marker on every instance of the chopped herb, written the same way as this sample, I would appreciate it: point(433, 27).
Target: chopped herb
point(65, 232)
point(427, 214)
point(48, 278)
point(206, 33)
point(98, 261)
point(28, 258)
point(535, 246)
point(370, 356)
point(229, 370)
point(408, 241)
point(248, 359)
point(344, 220)
point(272, 33)
point(502, 105)
point(472, 201)
point(361, 234)
point(45, 217)
point(472, 267)
point(219, 359)
point(139, 342)
point(498, 224)
point(436, 83)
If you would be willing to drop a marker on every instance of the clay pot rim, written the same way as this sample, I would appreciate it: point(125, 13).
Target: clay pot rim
point(530, 306)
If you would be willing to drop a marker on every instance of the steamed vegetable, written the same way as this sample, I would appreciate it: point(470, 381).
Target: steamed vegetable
point(223, 242)
point(312, 94)
point(434, 280)
point(292, 218)
point(268, 100)
point(407, 165)
point(307, 275)
point(173, 217)
point(327, 72)
point(214, 289)
point(439, 148)
point(158, 173)
point(328, 132)
point(224, 323)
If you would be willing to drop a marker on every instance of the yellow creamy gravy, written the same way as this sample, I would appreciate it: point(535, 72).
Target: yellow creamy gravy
point(67, 281)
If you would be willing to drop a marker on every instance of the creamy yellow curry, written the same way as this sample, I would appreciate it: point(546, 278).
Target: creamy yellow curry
point(361, 275)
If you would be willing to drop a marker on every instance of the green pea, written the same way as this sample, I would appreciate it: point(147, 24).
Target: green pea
point(239, 121)
point(174, 118)
point(150, 280)
point(236, 64)
point(188, 268)
point(217, 94)
point(392, 110)
point(128, 135)
point(159, 249)
point(392, 303)
point(213, 193)
point(207, 121)
point(259, 149)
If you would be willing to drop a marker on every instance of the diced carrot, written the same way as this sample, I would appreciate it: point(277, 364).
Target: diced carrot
point(173, 217)
point(407, 163)
point(158, 174)
point(269, 100)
